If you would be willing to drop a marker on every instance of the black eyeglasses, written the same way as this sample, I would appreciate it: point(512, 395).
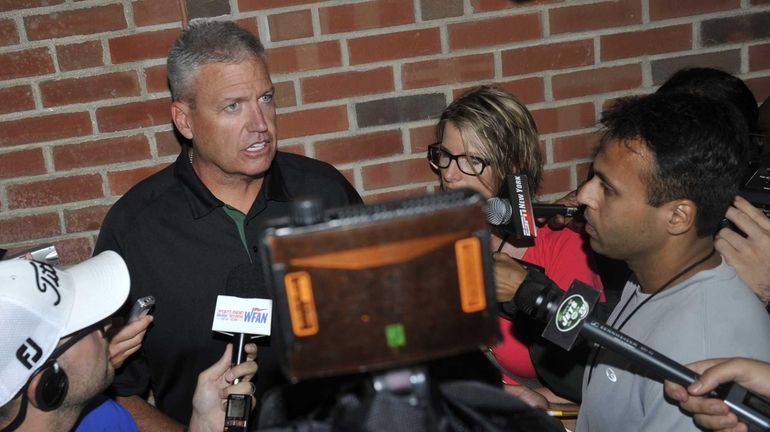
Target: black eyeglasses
point(470, 165)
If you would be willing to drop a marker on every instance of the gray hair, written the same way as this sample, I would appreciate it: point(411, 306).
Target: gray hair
point(203, 43)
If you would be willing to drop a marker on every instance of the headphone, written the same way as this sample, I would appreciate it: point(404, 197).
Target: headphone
point(52, 387)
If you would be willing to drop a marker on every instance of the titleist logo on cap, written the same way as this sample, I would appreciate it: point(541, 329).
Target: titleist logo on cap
point(46, 277)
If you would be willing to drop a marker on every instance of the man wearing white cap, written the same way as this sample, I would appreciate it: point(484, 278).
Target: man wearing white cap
point(53, 351)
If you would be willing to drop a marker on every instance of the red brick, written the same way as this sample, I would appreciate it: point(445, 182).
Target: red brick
point(284, 94)
point(359, 148)
point(84, 219)
point(79, 56)
point(448, 71)
point(583, 170)
point(547, 57)
point(101, 152)
point(760, 86)
point(296, 58)
point(8, 33)
point(349, 175)
point(8, 5)
point(16, 99)
point(156, 78)
point(759, 57)
point(55, 191)
point(493, 5)
point(167, 143)
point(290, 25)
point(564, 118)
point(44, 128)
point(88, 89)
point(495, 31)
point(22, 163)
point(645, 42)
point(249, 24)
point(23, 228)
point(594, 81)
point(664, 9)
point(420, 138)
point(27, 63)
point(149, 12)
point(439, 9)
point(91, 20)
point(250, 5)
point(368, 15)
point(313, 121)
point(142, 46)
point(400, 173)
point(574, 147)
point(555, 180)
point(121, 181)
point(395, 195)
point(134, 115)
point(75, 250)
point(595, 16)
point(527, 90)
point(347, 84)
point(394, 46)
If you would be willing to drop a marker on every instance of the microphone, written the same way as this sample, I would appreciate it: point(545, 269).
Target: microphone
point(568, 315)
point(243, 319)
point(500, 211)
point(514, 212)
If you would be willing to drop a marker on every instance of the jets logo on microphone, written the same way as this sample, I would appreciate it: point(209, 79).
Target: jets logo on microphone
point(571, 311)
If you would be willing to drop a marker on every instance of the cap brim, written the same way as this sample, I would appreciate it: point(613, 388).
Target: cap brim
point(101, 286)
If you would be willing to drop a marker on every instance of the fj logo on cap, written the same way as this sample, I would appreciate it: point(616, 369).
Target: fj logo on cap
point(29, 353)
point(46, 277)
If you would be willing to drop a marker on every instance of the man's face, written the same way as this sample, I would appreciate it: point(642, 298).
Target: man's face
point(619, 221)
point(451, 176)
point(232, 121)
point(88, 367)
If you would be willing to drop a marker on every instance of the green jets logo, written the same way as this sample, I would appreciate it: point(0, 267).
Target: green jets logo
point(571, 311)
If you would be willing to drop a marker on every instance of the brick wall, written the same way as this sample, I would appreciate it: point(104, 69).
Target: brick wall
point(84, 111)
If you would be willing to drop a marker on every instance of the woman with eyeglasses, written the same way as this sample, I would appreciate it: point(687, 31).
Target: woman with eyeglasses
point(484, 136)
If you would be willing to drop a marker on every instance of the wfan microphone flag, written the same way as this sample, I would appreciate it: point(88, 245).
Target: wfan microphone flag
point(376, 287)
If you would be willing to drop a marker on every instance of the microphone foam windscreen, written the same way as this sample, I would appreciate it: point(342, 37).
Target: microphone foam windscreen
point(498, 211)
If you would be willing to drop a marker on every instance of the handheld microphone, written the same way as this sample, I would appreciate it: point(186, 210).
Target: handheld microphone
point(568, 315)
point(500, 211)
point(244, 319)
point(514, 212)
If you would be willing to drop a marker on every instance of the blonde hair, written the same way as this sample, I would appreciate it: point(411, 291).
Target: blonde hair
point(503, 129)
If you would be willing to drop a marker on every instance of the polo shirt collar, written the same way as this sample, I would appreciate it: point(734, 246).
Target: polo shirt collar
point(203, 202)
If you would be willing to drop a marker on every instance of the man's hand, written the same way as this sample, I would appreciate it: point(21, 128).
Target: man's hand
point(508, 276)
point(714, 414)
point(558, 222)
point(128, 340)
point(749, 256)
point(215, 384)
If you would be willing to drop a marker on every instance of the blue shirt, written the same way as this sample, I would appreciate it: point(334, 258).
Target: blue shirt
point(105, 415)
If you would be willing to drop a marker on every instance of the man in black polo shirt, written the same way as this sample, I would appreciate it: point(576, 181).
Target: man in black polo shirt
point(183, 230)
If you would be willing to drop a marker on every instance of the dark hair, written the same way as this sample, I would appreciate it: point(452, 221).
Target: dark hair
point(203, 43)
point(698, 146)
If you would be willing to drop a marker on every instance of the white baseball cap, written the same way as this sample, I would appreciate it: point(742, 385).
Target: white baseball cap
point(40, 304)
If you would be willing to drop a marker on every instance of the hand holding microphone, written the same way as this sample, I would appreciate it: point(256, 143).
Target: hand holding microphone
point(514, 212)
point(714, 414)
point(243, 319)
point(568, 315)
point(216, 384)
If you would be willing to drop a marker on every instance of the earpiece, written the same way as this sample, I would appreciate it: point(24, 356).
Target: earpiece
point(51, 388)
